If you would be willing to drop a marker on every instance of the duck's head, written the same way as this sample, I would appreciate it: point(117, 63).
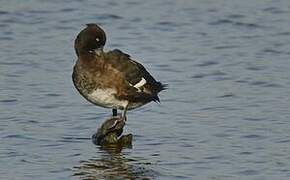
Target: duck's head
point(90, 39)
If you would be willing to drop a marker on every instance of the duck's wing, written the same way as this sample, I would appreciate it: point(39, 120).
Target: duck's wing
point(139, 79)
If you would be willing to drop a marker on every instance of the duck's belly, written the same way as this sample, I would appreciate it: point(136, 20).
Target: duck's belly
point(106, 98)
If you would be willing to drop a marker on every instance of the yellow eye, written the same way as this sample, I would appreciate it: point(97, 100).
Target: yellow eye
point(97, 39)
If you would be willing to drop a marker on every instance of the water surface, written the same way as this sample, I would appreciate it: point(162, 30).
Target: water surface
point(225, 114)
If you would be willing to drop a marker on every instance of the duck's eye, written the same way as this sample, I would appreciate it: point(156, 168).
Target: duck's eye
point(97, 39)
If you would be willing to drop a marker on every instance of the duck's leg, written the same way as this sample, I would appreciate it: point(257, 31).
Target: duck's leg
point(115, 113)
point(124, 117)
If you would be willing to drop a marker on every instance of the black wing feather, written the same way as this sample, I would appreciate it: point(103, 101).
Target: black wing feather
point(133, 71)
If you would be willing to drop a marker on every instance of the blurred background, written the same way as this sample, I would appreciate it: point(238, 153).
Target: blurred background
point(225, 115)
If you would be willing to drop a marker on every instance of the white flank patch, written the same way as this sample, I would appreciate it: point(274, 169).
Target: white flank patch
point(140, 83)
point(106, 98)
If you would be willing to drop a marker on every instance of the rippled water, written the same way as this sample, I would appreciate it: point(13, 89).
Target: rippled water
point(225, 115)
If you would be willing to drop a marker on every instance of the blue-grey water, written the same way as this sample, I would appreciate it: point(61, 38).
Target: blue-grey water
point(226, 114)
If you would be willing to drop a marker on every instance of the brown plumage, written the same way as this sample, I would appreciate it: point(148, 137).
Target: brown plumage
point(111, 79)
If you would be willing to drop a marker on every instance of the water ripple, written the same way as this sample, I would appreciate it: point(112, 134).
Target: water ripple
point(207, 63)
point(235, 23)
point(224, 116)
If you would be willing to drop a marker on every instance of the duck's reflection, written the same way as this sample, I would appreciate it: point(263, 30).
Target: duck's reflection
point(112, 165)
